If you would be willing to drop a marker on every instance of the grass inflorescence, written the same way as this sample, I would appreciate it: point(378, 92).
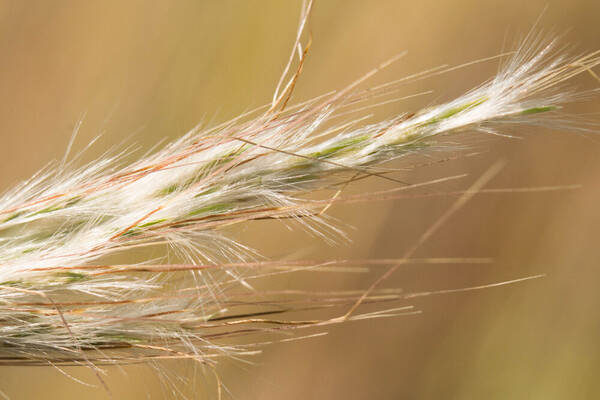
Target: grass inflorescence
point(58, 307)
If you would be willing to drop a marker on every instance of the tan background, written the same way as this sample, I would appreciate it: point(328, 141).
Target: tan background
point(143, 71)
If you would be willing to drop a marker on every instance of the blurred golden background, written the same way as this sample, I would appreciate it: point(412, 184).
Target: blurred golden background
point(141, 72)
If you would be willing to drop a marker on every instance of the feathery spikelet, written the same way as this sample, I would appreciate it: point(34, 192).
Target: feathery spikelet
point(58, 307)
